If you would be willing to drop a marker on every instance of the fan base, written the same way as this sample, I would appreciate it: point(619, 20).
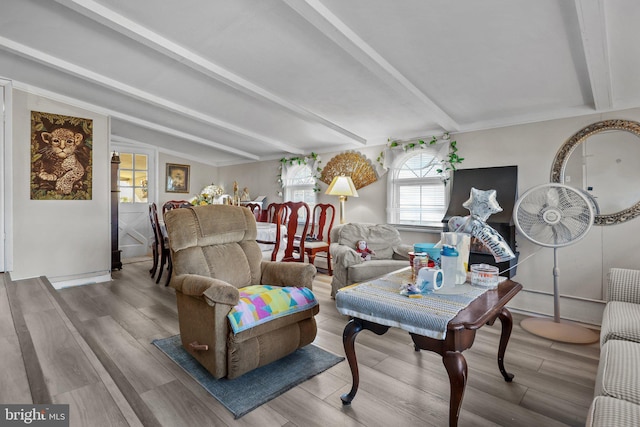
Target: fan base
point(562, 331)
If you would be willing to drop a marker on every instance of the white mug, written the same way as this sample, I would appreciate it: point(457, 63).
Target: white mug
point(429, 279)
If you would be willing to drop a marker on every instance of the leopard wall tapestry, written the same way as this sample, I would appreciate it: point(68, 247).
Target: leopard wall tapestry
point(61, 157)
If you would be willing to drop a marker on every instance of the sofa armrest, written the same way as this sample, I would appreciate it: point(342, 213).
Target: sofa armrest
point(344, 256)
point(402, 251)
point(287, 274)
point(214, 291)
point(624, 285)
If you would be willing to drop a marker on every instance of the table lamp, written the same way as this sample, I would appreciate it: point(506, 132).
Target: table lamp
point(342, 186)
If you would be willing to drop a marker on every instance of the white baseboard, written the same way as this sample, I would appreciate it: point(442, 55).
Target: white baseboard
point(81, 281)
point(579, 310)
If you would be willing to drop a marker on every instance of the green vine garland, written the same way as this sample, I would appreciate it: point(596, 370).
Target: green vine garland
point(311, 158)
point(451, 163)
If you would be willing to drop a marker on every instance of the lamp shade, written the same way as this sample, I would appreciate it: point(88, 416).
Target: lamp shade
point(342, 186)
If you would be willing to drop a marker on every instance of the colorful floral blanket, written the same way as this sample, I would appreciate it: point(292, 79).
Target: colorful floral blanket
point(262, 303)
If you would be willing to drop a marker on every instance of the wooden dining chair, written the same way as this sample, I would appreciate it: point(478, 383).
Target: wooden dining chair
point(174, 204)
point(269, 214)
point(169, 205)
point(272, 238)
point(155, 250)
point(162, 244)
point(298, 216)
point(256, 208)
point(319, 238)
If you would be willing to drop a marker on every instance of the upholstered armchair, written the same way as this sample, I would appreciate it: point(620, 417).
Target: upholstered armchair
point(218, 273)
point(349, 267)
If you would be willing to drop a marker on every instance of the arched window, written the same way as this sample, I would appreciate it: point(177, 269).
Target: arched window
point(417, 195)
point(299, 184)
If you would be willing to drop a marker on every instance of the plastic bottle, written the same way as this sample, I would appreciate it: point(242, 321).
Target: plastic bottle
point(420, 260)
point(449, 262)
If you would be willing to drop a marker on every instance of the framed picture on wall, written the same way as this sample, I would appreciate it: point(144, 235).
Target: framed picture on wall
point(177, 178)
point(61, 157)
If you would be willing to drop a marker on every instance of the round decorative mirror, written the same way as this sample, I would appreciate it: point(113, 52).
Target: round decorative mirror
point(603, 160)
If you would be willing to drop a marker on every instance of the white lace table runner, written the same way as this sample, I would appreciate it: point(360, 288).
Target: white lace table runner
point(380, 301)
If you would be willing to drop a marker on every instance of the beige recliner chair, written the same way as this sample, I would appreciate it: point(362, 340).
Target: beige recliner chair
point(348, 265)
point(216, 258)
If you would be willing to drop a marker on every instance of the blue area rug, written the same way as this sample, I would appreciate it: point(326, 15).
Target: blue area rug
point(247, 392)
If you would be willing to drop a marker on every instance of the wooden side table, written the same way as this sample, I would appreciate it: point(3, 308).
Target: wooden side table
point(460, 335)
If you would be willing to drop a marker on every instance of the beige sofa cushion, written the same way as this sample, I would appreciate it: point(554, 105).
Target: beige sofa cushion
point(381, 238)
point(348, 265)
point(606, 411)
point(206, 242)
point(620, 321)
point(618, 374)
point(624, 285)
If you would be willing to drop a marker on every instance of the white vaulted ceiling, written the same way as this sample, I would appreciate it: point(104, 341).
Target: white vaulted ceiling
point(233, 81)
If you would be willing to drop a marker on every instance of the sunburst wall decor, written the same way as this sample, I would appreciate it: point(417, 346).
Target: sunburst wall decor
point(353, 164)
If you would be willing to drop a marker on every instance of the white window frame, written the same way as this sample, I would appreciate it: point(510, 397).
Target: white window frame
point(134, 171)
point(394, 185)
point(300, 178)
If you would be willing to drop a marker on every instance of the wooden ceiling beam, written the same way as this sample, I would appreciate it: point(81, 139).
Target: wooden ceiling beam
point(123, 88)
point(133, 120)
point(337, 31)
point(593, 30)
point(157, 42)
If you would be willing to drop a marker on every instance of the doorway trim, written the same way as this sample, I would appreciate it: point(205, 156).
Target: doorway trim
point(120, 144)
point(6, 176)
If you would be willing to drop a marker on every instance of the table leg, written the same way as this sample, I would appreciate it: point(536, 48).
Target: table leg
point(349, 334)
point(457, 369)
point(507, 324)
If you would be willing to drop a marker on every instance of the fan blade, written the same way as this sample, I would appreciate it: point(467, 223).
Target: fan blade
point(541, 232)
point(575, 227)
point(539, 197)
point(576, 211)
point(530, 207)
point(553, 198)
point(562, 234)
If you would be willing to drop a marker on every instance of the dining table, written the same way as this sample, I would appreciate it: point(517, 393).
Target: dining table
point(267, 236)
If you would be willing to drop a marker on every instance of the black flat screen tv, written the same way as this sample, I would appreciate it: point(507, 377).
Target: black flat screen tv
point(503, 179)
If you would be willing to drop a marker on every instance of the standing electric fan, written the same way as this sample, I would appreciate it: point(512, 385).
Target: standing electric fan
point(555, 215)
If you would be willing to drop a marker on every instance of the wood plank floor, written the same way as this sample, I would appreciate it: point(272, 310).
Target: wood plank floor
point(93, 346)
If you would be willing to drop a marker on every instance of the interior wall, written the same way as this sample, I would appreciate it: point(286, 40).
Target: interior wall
point(200, 175)
point(583, 266)
point(53, 237)
point(262, 180)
